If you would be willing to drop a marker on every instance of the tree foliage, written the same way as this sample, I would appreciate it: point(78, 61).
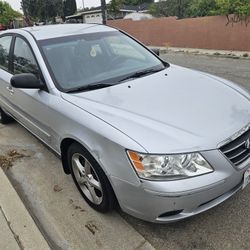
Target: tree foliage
point(136, 2)
point(69, 7)
point(199, 8)
point(44, 10)
point(115, 5)
point(7, 14)
point(235, 10)
point(170, 8)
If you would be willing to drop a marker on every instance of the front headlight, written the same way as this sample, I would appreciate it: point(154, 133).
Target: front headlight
point(169, 167)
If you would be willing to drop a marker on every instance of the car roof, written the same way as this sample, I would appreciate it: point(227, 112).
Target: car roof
point(62, 30)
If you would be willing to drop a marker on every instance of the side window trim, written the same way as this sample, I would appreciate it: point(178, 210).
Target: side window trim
point(11, 67)
point(12, 57)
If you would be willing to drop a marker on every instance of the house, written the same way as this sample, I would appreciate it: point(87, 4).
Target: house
point(94, 15)
point(129, 9)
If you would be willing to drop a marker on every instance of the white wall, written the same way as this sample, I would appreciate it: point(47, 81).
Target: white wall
point(93, 18)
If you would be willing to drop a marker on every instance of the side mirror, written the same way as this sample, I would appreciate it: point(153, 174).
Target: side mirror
point(26, 81)
point(156, 51)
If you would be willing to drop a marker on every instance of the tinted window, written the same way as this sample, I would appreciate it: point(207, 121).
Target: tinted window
point(104, 57)
point(121, 47)
point(5, 43)
point(24, 61)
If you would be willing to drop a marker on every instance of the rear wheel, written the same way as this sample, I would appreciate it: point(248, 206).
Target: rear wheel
point(90, 179)
point(4, 118)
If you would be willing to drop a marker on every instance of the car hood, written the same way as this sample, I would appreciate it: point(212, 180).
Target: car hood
point(172, 111)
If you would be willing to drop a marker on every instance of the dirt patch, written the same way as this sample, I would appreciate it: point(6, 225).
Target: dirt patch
point(57, 188)
point(7, 160)
point(76, 207)
point(92, 227)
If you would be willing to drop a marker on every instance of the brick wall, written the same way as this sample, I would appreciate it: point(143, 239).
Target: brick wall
point(203, 33)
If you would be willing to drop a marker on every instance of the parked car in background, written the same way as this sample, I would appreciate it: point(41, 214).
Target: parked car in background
point(3, 27)
point(162, 141)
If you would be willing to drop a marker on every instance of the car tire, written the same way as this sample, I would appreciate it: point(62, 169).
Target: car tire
point(4, 118)
point(90, 179)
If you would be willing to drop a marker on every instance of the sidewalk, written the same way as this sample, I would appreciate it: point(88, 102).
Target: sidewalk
point(17, 228)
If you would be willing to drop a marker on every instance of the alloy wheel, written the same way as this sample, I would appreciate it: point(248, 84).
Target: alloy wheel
point(87, 179)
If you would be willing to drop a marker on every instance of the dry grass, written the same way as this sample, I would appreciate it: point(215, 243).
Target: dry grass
point(167, 45)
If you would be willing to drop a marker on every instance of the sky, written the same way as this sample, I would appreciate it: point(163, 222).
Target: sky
point(88, 3)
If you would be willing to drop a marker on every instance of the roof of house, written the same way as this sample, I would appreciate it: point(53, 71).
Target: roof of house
point(124, 8)
point(80, 14)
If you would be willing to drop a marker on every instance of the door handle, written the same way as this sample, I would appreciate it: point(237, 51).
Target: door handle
point(10, 89)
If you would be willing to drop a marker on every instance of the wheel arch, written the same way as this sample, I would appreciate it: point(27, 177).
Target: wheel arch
point(65, 144)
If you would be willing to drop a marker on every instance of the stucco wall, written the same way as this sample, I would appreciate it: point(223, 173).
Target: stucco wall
point(204, 33)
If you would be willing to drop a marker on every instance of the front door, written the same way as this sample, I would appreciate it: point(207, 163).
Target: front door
point(29, 105)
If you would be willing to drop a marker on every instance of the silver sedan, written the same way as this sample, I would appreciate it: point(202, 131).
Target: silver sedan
point(162, 141)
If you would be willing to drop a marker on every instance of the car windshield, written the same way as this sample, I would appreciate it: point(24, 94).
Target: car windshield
point(101, 59)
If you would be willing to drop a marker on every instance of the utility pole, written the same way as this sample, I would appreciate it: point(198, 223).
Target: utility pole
point(104, 11)
point(180, 9)
point(83, 7)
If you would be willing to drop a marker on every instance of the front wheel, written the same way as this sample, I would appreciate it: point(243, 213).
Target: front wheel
point(90, 179)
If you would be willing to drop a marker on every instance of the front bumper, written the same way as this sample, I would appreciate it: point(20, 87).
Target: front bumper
point(158, 201)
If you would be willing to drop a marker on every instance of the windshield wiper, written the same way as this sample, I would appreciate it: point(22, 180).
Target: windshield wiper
point(139, 74)
point(89, 87)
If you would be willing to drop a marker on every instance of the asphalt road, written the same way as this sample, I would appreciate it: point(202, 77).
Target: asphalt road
point(227, 225)
point(69, 223)
point(236, 70)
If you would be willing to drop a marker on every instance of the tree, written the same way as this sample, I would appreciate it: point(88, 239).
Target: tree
point(116, 4)
point(136, 2)
point(42, 10)
point(69, 7)
point(199, 8)
point(7, 14)
point(30, 8)
point(234, 10)
point(170, 8)
point(163, 8)
point(114, 7)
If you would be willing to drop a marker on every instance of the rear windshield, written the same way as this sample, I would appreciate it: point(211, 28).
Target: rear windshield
point(105, 57)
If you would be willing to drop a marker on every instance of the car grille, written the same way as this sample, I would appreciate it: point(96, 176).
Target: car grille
point(238, 150)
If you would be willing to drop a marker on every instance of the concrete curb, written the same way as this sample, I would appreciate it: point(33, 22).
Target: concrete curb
point(18, 220)
point(244, 55)
point(63, 218)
